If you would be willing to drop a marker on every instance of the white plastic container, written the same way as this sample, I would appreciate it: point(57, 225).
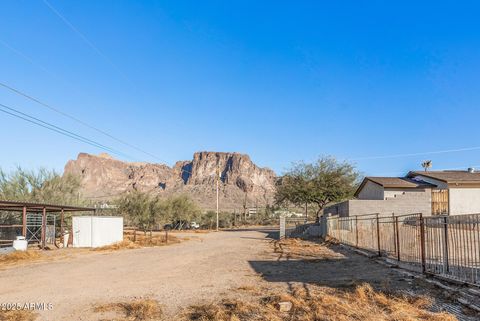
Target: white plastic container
point(20, 244)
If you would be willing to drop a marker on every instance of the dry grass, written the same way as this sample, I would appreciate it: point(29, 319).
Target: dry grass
point(320, 303)
point(137, 310)
point(123, 245)
point(292, 248)
point(18, 315)
point(190, 231)
point(141, 241)
point(313, 302)
point(155, 240)
point(20, 256)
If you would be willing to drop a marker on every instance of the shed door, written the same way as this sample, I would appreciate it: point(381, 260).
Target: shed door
point(439, 201)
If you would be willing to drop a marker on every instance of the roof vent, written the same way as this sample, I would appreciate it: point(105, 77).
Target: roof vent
point(471, 170)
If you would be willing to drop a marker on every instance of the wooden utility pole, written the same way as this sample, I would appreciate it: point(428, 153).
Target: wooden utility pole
point(24, 222)
point(217, 178)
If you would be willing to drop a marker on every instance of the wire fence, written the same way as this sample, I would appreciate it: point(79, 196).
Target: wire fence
point(448, 246)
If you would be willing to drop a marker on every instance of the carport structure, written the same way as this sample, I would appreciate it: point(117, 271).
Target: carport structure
point(41, 211)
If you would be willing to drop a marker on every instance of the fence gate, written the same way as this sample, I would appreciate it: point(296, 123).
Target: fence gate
point(34, 228)
point(439, 201)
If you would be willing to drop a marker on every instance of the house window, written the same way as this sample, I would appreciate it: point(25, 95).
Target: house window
point(439, 201)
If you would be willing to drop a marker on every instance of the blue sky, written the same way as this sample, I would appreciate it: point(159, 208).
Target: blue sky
point(280, 80)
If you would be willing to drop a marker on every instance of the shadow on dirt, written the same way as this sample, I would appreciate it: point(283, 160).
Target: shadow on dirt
point(270, 232)
point(333, 267)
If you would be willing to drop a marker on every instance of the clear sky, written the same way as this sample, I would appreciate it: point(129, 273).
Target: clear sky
point(280, 80)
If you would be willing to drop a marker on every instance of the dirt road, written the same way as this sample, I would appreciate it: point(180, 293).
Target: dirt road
point(177, 275)
point(204, 268)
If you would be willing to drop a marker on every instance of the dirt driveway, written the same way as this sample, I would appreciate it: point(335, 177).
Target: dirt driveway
point(176, 275)
point(204, 268)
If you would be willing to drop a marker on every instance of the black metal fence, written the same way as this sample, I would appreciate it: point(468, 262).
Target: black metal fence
point(442, 245)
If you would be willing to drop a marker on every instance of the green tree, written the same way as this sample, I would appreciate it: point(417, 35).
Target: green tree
point(318, 184)
point(142, 210)
point(43, 186)
point(180, 208)
point(208, 220)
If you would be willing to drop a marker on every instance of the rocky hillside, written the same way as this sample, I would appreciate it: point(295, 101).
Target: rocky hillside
point(106, 178)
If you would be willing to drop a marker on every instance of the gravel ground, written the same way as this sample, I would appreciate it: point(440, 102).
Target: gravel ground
point(205, 268)
point(201, 268)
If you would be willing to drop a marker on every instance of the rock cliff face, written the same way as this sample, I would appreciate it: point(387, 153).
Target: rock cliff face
point(240, 179)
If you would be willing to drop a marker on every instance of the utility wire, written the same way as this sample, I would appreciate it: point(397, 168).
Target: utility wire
point(417, 154)
point(100, 53)
point(86, 40)
point(58, 111)
point(16, 113)
point(30, 60)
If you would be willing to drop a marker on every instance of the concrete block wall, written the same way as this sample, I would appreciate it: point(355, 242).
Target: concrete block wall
point(340, 209)
point(409, 203)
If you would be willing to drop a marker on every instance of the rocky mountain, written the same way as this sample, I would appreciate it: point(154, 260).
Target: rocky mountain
point(241, 180)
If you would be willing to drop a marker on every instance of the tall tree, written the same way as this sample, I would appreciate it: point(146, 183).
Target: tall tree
point(180, 208)
point(40, 186)
point(141, 209)
point(319, 184)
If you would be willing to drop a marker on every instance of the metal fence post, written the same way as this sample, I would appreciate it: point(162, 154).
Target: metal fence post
point(422, 242)
point(282, 230)
point(44, 227)
point(394, 240)
point(378, 236)
point(356, 231)
point(397, 237)
point(445, 244)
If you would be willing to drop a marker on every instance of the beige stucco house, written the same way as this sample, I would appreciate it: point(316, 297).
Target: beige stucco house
point(430, 193)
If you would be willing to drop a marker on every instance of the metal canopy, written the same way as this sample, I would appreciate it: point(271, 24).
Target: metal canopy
point(40, 207)
point(39, 228)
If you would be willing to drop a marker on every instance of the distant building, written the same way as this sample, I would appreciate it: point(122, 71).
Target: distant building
point(287, 213)
point(430, 193)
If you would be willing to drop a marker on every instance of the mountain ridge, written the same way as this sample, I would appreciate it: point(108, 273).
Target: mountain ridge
point(241, 180)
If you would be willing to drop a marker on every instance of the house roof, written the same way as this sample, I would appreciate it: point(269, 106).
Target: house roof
point(394, 182)
point(450, 177)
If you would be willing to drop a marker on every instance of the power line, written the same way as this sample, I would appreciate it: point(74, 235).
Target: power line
point(58, 111)
point(30, 60)
point(100, 53)
point(86, 40)
point(31, 119)
point(417, 154)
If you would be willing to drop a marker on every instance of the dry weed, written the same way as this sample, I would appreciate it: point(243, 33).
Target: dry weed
point(18, 315)
point(138, 310)
point(141, 241)
point(125, 244)
point(321, 303)
point(292, 248)
point(229, 310)
point(20, 256)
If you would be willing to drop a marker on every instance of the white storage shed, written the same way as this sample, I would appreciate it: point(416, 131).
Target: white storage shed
point(96, 231)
